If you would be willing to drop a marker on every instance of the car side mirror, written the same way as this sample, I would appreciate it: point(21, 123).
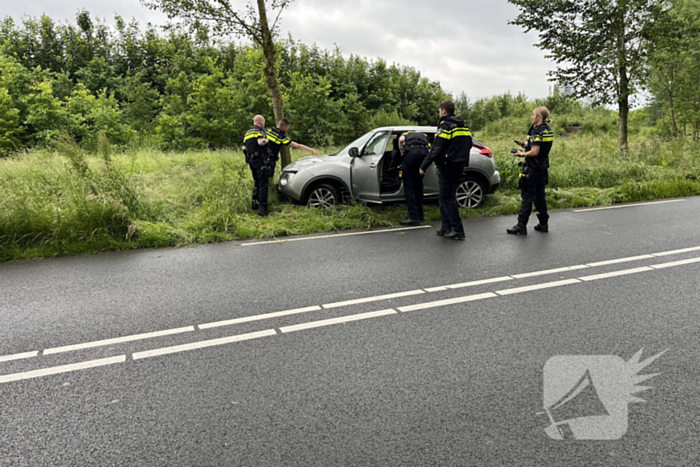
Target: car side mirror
point(354, 152)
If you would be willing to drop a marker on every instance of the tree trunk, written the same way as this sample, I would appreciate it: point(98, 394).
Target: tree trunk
point(623, 98)
point(268, 46)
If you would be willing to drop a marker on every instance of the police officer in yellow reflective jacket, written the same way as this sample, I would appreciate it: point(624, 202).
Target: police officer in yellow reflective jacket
point(415, 148)
point(450, 152)
point(535, 173)
point(257, 155)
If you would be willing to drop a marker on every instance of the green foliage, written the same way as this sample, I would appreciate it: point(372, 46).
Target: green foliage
point(9, 124)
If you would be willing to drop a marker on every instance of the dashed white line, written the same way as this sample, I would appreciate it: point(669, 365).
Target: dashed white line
point(608, 275)
point(62, 369)
point(248, 319)
point(629, 205)
point(352, 234)
point(118, 340)
point(677, 252)
point(373, 299)
point(675, 263)
point(450, 301)
point(202, 344)
point(329, 322)
point(620, 260)
point(546, 285)
point(550, 271)
point(481, 282)
point(19, 356)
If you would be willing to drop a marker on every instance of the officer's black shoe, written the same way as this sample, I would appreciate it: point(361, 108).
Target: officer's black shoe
point(452, 235)
point(263, 212)
point(409, 222)
point(254, 205)
point(518, 230)
point(542, 227)
point(443, 232)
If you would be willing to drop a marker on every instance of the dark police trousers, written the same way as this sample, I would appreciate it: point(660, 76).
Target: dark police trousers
point(413, 182)
point(532, 192)
point(449, 176)
point(261, 179)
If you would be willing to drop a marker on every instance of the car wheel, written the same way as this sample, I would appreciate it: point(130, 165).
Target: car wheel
point(471, 193)
point(323, 197)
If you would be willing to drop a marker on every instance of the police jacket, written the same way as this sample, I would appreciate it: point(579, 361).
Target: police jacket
point(250, 141)
point(277, 138)
point(453, 142)
point(415, 141)
point(542, 136)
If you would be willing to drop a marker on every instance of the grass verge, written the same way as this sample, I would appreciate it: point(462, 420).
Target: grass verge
point(64, 202)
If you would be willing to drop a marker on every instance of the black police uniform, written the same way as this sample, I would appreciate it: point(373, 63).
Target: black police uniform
point(450, 152)
point(258, 158)
point(278, 138)
point(415, 149)
point(535, 176)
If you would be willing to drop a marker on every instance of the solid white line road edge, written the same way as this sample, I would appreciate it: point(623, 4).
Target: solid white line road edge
point(343, 319)
point(351, 234)
point(629, 205)
point(202, 344)
point(546, 285)
point(62, 369)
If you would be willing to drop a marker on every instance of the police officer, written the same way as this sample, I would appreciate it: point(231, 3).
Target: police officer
point(257, 156)
point(278, 138)
point(415, 148)
point(535, 173)
point(450, 152)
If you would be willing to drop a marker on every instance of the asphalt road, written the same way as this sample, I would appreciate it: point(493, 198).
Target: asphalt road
point(292, 353)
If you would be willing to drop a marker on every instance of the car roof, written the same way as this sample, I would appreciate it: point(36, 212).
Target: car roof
point(422, 129)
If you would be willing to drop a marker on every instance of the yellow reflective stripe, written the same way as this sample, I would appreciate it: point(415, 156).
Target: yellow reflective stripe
point(461, 133)
point(251, 136)
point(445, 135)
point(274, 138)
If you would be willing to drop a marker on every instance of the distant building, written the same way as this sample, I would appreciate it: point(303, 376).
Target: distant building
point(566, 89)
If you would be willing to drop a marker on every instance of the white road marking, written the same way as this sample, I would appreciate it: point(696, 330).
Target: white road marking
point(277, 242)
point(344, 319)
point(19, 356)
point(550, 271)
point(436, 289)
point(450, 301)
point(629, 205)
point(675, 263)
point(546, 285)
point(248, 319)
point(677, 252)
point(373, 299)
point(62, 369)
point(620, 260)
point(481, 282)
point(615, 274)
point(202, 344)
point(118, 340)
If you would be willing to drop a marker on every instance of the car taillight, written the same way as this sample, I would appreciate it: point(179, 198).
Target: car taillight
point(486, 152)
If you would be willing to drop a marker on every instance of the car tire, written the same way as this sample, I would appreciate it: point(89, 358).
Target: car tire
point(323, 196)
point(470, 193)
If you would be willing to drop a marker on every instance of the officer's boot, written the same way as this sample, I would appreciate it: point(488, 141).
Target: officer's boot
point(518, 230)
point(263, 212)
point(542, 227)
point(409, 222)
point(254, 205)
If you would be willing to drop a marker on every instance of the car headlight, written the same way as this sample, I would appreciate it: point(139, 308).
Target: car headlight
point(285, 177)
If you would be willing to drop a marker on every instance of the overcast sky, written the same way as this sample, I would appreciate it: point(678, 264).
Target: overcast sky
point(467, 45)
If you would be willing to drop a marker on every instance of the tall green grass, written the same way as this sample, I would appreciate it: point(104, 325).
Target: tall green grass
point(64, 201)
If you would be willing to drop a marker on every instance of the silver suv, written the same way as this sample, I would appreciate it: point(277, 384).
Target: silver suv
point(367, 170)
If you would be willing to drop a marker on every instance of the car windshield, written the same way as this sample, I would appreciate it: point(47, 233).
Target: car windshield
point(358, 143)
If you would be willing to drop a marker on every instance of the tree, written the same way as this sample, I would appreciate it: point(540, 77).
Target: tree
point(601, 47)
point(221, 17)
